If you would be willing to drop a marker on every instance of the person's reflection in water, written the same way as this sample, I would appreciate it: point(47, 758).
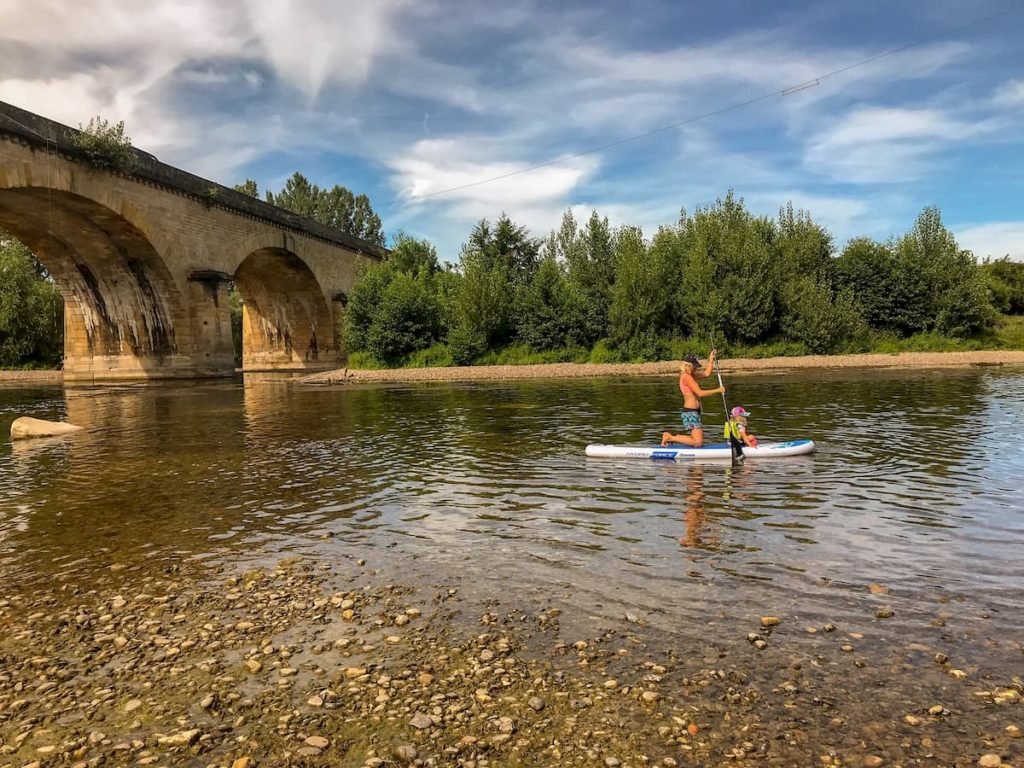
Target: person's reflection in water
point(737, 478)
point(693, 514)
point(738, 482)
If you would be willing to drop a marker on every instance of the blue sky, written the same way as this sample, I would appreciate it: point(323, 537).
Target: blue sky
point(404, 99)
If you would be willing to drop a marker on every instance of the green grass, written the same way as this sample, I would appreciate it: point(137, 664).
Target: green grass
point(1008, 333)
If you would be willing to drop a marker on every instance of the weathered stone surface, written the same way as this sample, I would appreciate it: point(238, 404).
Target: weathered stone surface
point(26, 428)
point(146, 260)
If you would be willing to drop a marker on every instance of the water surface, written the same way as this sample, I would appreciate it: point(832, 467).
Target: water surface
point(915, 486)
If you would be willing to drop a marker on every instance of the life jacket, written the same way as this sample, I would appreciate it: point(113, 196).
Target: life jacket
point(734, 428)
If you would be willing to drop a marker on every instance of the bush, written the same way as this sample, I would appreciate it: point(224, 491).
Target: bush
point(1005, 280)
point(106, 146)
point(405, 320)
point(817, 318)
point(434, 356)
point(465, 344)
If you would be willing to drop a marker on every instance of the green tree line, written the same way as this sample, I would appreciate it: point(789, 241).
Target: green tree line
point(593, 292)
point(337, 207)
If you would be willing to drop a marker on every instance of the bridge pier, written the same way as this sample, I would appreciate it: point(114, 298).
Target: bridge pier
point(210, 315)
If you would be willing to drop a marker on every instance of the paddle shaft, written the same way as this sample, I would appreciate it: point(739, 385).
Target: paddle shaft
point(734, 449)
point(718, 370)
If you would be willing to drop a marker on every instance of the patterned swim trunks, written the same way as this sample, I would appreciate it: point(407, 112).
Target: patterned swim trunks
point(691, 420)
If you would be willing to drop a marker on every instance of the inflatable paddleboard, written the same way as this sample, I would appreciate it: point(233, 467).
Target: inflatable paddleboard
point(708, 451)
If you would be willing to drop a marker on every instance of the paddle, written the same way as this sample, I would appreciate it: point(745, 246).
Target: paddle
point(735, 447)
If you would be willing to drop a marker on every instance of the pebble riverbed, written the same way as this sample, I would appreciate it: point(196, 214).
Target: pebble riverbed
point(316, 663)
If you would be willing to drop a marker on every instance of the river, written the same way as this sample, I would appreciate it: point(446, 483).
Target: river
point(885, 566)
point(915, 486)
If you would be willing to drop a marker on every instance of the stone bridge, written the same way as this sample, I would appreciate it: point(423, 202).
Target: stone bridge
point(145, 261)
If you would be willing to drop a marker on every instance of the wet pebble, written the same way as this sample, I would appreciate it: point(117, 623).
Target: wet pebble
point(990, 760)
point(536, 703)
point(421, 721)
point(406, 753)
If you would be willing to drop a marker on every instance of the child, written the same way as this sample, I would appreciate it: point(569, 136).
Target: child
point(736, 427)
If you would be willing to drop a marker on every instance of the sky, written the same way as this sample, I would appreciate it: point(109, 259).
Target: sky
point(421, 104)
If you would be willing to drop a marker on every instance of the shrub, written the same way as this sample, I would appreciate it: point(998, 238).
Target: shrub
point(106, 146)
point(405, 320)
point(465, 344)
point(817, 318)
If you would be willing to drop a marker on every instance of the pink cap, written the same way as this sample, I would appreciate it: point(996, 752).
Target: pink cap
point(740, 411)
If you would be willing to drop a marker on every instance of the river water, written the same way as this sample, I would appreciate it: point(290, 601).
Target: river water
point(916, 487)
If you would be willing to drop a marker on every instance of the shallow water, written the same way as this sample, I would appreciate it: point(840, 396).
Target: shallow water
point(915, 486)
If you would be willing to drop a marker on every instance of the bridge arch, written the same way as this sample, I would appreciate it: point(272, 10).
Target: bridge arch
point(124, 313)
point(286, 321)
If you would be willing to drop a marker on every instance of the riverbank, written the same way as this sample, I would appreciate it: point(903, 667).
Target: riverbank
point(311, 661)
point(666, 368)
point(18, 378)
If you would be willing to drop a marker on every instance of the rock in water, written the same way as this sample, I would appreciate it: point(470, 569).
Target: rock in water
point(26, 427)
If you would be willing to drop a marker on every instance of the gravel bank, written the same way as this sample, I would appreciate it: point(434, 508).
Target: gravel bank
point(31, 377)
point(738, 366)
point(317, 663)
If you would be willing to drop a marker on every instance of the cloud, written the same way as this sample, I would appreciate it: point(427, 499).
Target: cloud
point(1010, 94)
point(232, 87)
point(315, 42)
point(532, 198)
point(995, 239)
point(873, 144)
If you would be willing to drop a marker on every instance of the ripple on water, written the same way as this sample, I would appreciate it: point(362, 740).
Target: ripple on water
point(909, 489)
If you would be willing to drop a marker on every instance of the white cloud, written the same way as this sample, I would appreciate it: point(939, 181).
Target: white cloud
point(996, 239)
point(1010, 94)
point(532, 198)
point(69, 100)
point(886, 144)
point(536, 85)
point(312, 42)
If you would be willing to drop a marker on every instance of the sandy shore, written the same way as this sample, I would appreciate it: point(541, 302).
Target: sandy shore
point(737, 366)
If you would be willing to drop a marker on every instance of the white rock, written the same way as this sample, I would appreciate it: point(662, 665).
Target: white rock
point(25, 428)
point(179, 739)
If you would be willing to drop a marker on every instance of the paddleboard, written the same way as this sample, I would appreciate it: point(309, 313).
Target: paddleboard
point(708, 451)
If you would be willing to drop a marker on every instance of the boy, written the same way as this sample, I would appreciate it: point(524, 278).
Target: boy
point(736, 427)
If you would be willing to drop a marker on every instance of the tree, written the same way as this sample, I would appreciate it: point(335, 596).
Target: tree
point(953, 294)
point(729, 271)
point(105, 145)
point(639, 296)
point(869, 272)
point(248, 187)
point(412, 255)
point(1006, 283)
point(336, 207)
point(542, 307)
point(817, 317)
point(406, 318)
point(495, 263)
point(31, 309)
point(394, 309)
point(590, 258)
